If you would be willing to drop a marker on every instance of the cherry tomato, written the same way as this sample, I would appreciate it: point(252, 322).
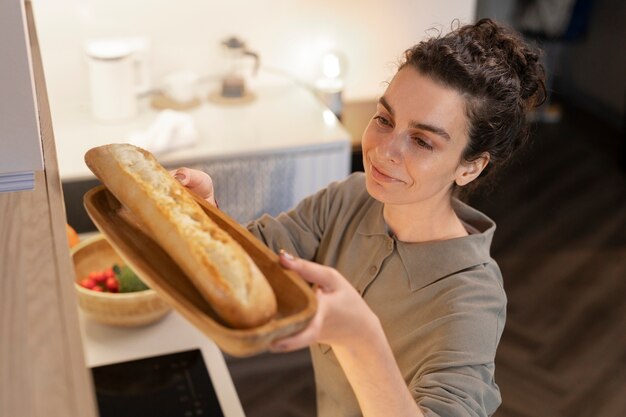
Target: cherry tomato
point(88, 283)
point(97, 288)
point(112, 284)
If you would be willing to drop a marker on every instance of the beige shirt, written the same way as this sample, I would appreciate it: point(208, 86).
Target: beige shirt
point(441, 304)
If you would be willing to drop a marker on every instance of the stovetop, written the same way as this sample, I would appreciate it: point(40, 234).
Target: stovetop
point(172, 385)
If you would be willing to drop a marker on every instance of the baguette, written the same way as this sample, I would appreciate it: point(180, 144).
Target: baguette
point(216, 264)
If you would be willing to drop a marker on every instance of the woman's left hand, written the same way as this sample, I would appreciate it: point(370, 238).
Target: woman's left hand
point(342, 317)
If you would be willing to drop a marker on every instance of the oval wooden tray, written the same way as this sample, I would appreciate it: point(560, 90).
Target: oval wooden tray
point(296, 301)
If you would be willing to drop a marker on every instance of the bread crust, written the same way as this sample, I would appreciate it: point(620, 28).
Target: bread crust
point(216, 264)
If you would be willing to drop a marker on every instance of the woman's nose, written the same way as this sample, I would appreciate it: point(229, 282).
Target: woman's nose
point(392, 147)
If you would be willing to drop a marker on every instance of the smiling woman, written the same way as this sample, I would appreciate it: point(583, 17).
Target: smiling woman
point(411, 153)
point(411, 304)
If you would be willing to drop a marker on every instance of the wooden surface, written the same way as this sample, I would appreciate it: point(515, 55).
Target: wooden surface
point(42, 366)
point(296, 301)
point(355, 117)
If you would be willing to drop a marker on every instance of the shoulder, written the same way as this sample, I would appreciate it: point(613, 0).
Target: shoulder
point(474, 220)
point(352, 187)
point(340, 197)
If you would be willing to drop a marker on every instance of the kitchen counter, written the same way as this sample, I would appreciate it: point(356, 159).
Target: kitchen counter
point(264, 156)
point(283, 116)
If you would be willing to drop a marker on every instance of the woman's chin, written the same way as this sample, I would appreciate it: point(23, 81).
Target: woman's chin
point(376, 190)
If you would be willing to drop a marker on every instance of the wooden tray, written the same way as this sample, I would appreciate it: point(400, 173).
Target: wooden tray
point(296, 301)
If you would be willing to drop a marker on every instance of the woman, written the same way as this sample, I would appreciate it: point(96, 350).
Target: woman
point(411, 305)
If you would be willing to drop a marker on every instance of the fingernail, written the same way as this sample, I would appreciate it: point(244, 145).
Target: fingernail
point(286, 255)
point(179, 177)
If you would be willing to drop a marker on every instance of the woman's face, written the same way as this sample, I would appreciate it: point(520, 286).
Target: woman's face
point(412, 146)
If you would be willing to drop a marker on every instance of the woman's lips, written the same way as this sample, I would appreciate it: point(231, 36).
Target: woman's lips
point(381, 176)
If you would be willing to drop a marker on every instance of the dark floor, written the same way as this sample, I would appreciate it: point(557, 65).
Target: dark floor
point(561, 244)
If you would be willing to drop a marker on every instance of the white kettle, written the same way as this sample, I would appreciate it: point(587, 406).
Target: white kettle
point(118, 72)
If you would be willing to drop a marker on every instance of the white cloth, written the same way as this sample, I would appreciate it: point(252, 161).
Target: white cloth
point(170, 131)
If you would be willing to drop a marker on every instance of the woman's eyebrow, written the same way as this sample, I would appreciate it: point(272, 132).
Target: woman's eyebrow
point(416, 125)
point(434, 129)
point(383, 102)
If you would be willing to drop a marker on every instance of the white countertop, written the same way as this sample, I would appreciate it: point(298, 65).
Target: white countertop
point(105, 345)
point(283, 116)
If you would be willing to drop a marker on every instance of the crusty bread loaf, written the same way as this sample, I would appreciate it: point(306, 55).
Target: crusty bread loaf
point(217, 265)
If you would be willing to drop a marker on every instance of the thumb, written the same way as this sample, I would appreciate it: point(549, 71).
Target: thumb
point(181, 175)
point(197, 181)
point(311, 272)
point(193, 179)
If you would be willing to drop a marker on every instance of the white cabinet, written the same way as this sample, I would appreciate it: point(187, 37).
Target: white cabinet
point(20, 143)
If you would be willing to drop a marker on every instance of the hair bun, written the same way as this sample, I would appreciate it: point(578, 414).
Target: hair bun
point(500, 76)
point(504, 44)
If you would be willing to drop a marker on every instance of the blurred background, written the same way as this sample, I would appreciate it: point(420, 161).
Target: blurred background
point(560, 207)
point(561, 239)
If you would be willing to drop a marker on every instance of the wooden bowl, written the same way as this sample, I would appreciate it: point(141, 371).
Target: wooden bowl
point(297, 303)
point(116, 309)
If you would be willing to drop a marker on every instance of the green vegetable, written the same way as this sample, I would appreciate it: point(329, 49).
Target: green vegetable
point(129, 281)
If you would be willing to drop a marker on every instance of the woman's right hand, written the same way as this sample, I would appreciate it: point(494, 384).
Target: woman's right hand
point(197, 181)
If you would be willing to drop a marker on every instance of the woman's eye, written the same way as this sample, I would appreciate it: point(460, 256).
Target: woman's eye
point(423, 144)
point(382, 121)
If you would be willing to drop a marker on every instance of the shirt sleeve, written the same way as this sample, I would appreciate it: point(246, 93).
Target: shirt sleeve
point(456, 376)
point(298, 231)
point(461, 391)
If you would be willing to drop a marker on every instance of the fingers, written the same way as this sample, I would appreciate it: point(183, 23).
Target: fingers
point(193, 178)
point(197, 181)
point(300, 340)
point(324, 277)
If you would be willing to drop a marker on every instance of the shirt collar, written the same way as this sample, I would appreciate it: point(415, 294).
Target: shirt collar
point(373, 223)
point(427, 262)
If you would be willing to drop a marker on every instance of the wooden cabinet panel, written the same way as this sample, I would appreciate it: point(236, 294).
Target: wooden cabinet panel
point(42, 365)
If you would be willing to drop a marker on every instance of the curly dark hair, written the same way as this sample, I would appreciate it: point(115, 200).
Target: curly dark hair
point(497, 73)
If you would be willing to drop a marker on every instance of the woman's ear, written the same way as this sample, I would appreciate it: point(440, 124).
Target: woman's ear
point(469, 171)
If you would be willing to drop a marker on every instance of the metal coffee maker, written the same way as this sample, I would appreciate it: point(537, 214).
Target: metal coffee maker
point(238, 68)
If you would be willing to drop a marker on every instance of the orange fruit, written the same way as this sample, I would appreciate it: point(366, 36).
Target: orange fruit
point(72, 236)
